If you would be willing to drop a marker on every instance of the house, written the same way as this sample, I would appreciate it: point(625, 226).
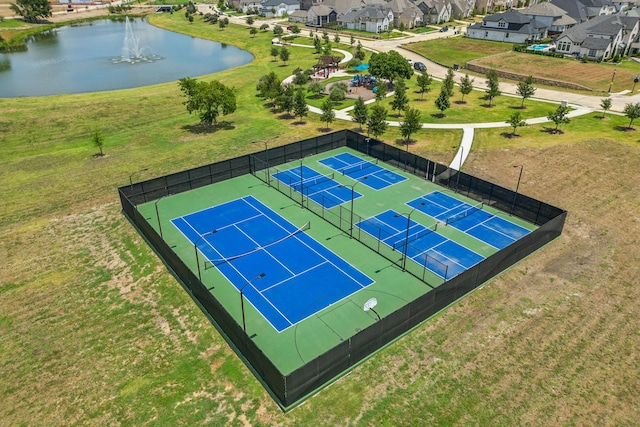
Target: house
point(320, 15)
point(599, 7)
point(600, 38)
point(554, 18)
point(246, 5)
point(574, 8)
point(434, 11)
point(510, 26)
point(273, 8)
point(371, 18)
point(404, 13)
point(299, 16)
point(462, 8)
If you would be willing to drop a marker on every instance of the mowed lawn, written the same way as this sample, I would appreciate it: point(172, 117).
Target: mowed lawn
point(457, 50)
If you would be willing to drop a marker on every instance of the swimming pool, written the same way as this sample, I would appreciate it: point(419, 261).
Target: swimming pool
point(539, 47)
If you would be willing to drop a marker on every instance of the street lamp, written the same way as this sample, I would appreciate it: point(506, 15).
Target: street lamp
point(513, 205)
point(406, 237)
point(301, 180)
point(459, 167)
point(368, 141)
point(406, 155)
point(158, 213)
point(612, 77)
point(636, 79)
point(131, 178)
point(352, 198)
point(244, 323)
point(195, 247)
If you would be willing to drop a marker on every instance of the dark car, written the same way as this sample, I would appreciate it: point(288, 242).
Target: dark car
point(419, 66)
point(443, 29)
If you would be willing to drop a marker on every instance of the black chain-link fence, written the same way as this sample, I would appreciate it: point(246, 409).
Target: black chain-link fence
point(289, 389)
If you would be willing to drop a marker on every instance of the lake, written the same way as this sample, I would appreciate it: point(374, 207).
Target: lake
point(88, 57)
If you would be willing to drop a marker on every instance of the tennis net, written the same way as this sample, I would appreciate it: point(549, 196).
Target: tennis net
point(465, 213)
point(415, 236)
point(310, 182)
point(348, 170)
point(224, 260)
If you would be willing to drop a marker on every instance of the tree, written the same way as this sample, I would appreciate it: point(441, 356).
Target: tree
point(277, 31)
point(337, 92)
point(284, 55)
point(442, 102)
point(269, 86)
point(352, 40)
point(328, 115)
point(466, 85)
point(317, 44)
point(606, 105)
point(222, 23)
point(525, 89)
point(559, 116)
point(400, 99)
point(632, 111)
point(360, 112)
point(295, 29)
point(325, 37)
point(336, 38)
point(315, 88)
point(493, 85)
point(264, 27)
point(32, 10)
point(423, 80)
point(250, 20)
point(300, 78)
point(253, 31)
point(190, 18)
point(300, 108)
point(515, 121)
point(98, 141)
point(411, 123)
point(447, 83)
point(360, 54)
point(402, 28)
point(326, 50)
point(208, 99)
point(275, 51)
point(381, 91)
point(284, 101)
point(376, 122)
point(389, 66)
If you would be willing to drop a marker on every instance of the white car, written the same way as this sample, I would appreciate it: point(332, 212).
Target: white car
point(409, 60)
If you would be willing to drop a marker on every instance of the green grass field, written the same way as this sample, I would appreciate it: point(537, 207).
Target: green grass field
point(95, 331)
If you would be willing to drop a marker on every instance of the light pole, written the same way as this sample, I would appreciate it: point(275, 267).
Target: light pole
point(636, 79)
point(244, 323)
point(459, 167)
point(352, 198)
point(131, 177)
point(406, 237)
point(368, 141)
point(513, 205)
point(195, 247)
point(611, 83)
point(158, 213)
point(406, 155)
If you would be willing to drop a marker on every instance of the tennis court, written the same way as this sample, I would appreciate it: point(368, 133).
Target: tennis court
point(423, 245)
point(369, 173)
point(283, 272)
point(322, 189)
point(471, 219)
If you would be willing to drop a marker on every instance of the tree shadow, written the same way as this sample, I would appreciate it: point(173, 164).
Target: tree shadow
point(460, 102)
point(509, 135)
point(324, 129)
point(201, 128)
point(438, 115)
point(625, 128)
point(403, 142)
point(286, 116)
point(552, 131)
point(518, 107)
point(487, 105)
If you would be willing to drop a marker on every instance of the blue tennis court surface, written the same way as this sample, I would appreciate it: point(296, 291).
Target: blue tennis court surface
point(369, 173)
point(283, 272)
point(425, 246)
point(472, 219)
point(322, 189)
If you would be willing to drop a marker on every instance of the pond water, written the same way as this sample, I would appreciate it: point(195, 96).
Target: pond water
point(94, 56)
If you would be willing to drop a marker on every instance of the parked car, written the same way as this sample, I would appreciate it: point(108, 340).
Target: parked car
point(443, 29)
point(419, 66)
point(409, 60)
